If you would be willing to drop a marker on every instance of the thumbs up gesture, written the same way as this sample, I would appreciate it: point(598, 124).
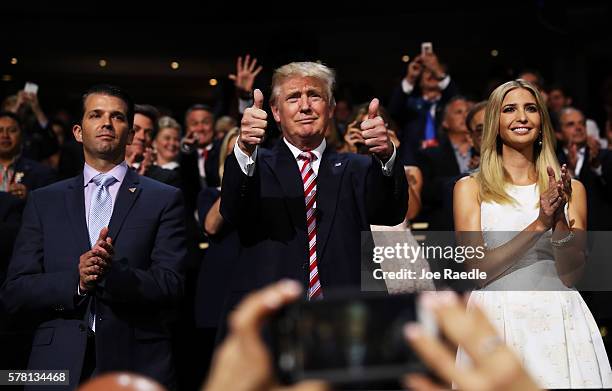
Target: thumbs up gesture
point(375, 133)
point(253, 125)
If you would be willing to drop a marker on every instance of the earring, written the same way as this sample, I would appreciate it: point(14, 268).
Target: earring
point(540, 139)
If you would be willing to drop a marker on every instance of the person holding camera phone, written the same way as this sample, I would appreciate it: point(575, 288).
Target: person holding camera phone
point(533, 228)
point(417, 103)
point(496, 367)
point(300, 207)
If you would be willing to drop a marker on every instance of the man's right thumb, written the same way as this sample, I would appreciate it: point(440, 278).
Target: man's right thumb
point(258, 99)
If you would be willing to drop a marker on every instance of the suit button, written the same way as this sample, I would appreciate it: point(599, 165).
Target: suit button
point(82, 327)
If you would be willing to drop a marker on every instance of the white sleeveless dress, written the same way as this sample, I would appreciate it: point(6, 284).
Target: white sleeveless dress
point(550, 328)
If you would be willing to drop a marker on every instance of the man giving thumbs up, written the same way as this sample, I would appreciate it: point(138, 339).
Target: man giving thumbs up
point(300, 207)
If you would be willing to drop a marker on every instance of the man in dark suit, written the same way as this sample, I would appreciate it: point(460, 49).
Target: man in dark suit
point(300, 208)
point(99, 257)
point(587, 163)
point(199, 158)
point(19, 175)
point(443, 164)
point(417, 105)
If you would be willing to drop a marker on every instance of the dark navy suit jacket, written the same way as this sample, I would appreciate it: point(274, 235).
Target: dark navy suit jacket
point(134, 304)
point(269, 213)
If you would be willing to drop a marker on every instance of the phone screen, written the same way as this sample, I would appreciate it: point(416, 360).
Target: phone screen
point(31, 87)
point(426, 48)
point(345, 340)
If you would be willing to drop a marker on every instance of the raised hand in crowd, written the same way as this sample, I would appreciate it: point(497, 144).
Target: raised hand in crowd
point(242, 362)
point(253, 125)
point(430, 61)
point(95, 263)
point(375, 133)
point(495, 367)
point(245, 75)
point(353, 138)
point(413, 71)
point(29, 99)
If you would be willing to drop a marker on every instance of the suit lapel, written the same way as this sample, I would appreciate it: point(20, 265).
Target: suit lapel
point(285, 169)
point(329, 180)
point(75, 205)
point(128, 193)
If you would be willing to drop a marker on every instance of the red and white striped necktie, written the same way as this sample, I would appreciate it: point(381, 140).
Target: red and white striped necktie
point(309, 179)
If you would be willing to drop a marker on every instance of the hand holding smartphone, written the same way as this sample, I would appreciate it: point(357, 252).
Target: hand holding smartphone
point(347, 339)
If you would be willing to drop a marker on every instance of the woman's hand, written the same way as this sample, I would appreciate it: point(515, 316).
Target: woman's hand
point(552, 201)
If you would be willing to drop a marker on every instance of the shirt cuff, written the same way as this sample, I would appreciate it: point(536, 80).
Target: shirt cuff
point(407, 87)
point(244, 104)
point(246, 162)
point(444, 82)
point(387, 167)
point(82, 294)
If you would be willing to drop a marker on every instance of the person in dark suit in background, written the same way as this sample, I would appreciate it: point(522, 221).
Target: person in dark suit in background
point(300, 208)
point(19, 175)
point(15, 336)
point(443, 164)
point(417, 104)
point(98, 261)
point(587, 163)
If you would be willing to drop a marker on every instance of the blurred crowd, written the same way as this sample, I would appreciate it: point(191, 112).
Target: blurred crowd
point(436, 131)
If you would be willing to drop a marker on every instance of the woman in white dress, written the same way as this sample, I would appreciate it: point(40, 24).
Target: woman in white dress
point(532, 226)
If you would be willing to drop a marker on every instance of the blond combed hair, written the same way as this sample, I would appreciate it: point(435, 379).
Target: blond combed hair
point(492, 177)
point(304, 69)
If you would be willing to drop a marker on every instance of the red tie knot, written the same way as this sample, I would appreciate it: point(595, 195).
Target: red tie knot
point(307, 155)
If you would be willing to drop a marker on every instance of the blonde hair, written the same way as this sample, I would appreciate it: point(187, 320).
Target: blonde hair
point(168, 122)
point(304, 69)
point(492, 177)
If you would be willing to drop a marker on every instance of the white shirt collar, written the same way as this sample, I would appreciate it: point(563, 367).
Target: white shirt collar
point(318, 151)
point(118, 172)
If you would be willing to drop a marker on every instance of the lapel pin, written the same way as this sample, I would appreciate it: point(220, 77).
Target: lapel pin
point(338, 164)
point(132, 189)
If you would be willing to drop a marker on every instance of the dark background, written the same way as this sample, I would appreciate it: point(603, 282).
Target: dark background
point(59, 46)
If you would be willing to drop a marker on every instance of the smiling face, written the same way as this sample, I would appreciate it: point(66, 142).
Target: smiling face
point(201, 123)
point(167, 144)
point(519, 119)
point(303, 110)
point(104, 130)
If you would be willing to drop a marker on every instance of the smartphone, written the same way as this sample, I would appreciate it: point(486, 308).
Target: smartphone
point(31, 87)
point(426, 48)
point(347, 340)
